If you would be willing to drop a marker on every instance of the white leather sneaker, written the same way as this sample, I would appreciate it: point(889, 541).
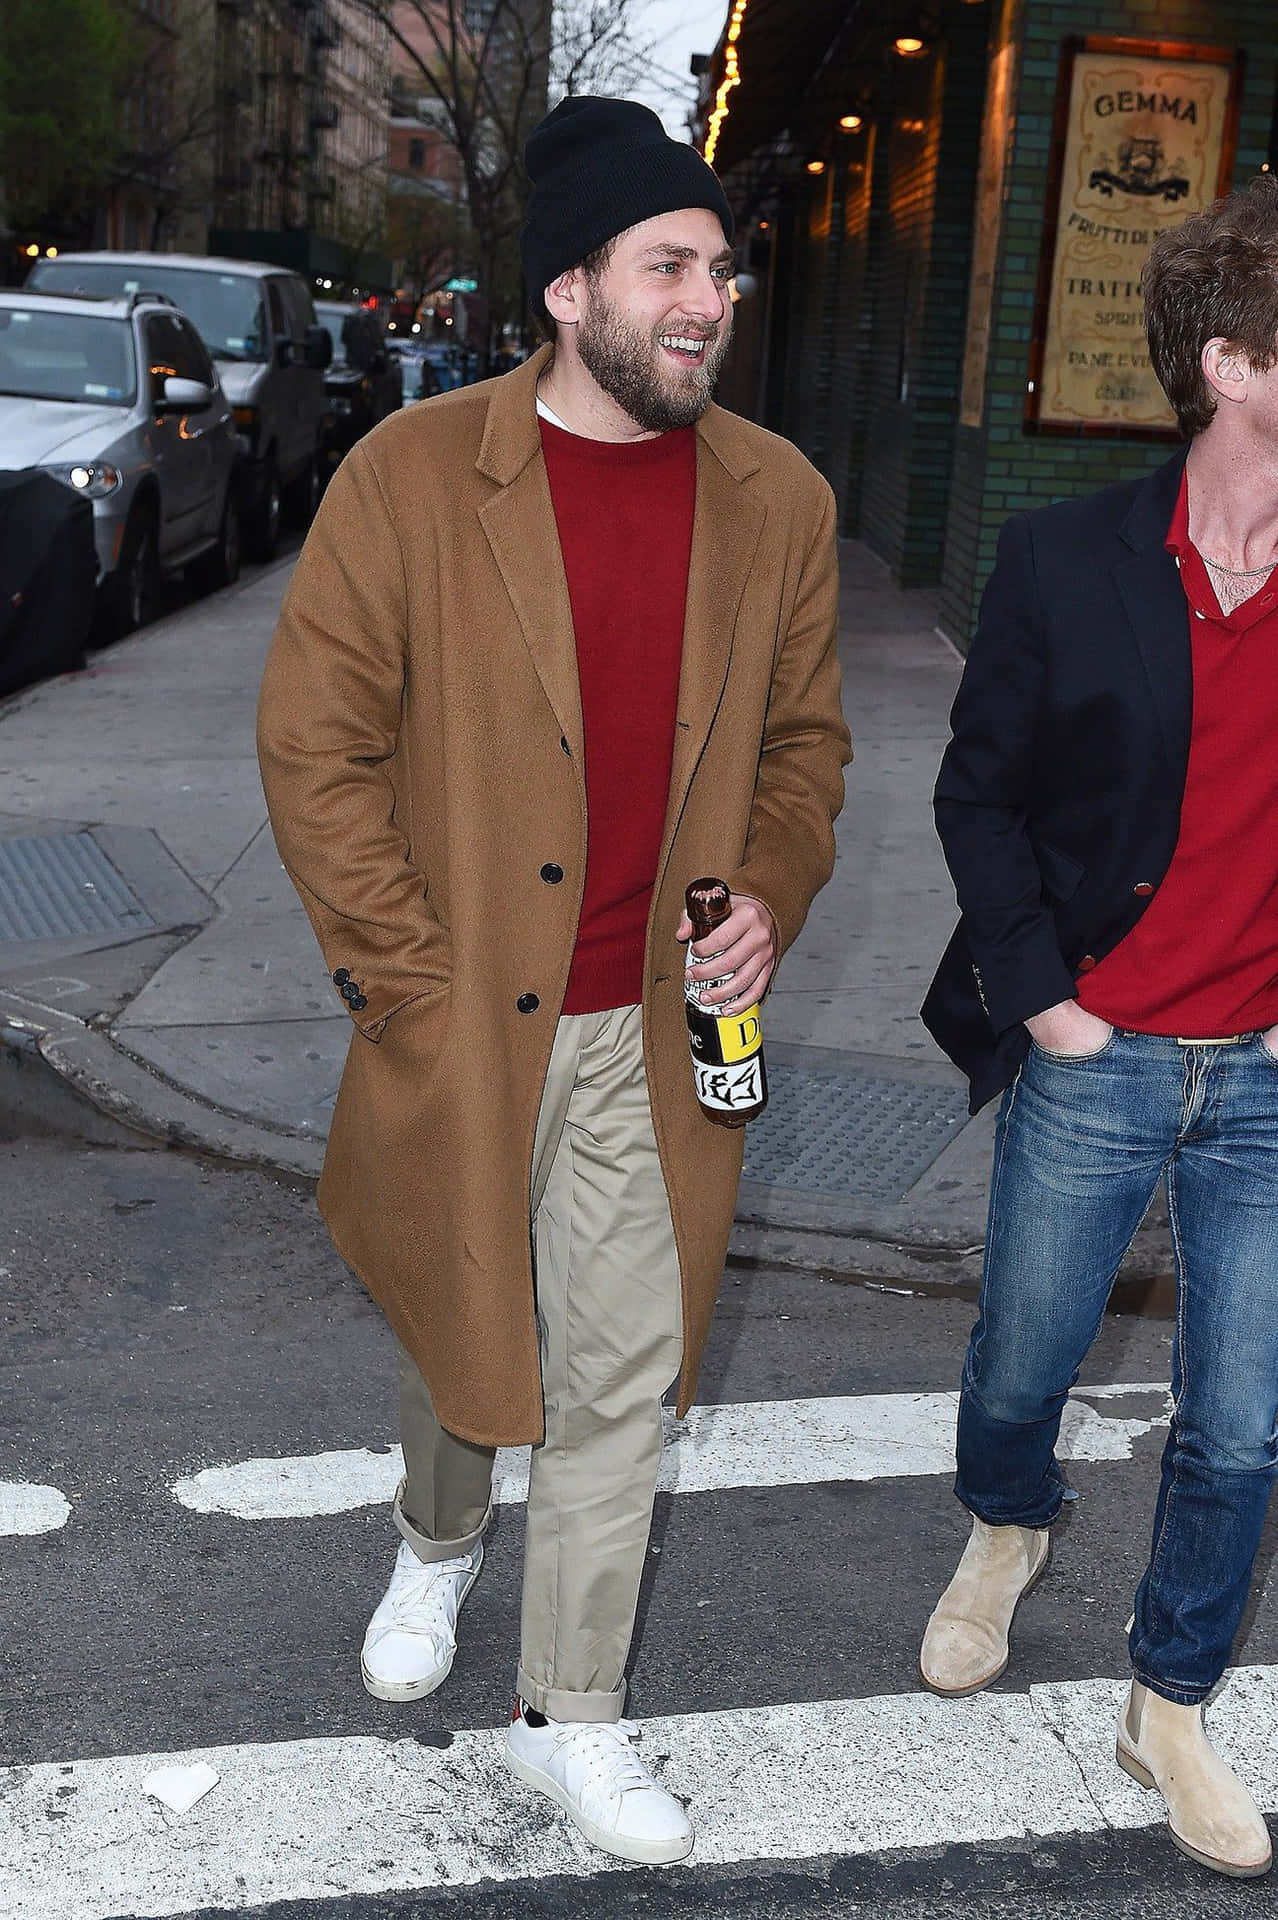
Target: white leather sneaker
point(412, 1638)
point(595, 1775)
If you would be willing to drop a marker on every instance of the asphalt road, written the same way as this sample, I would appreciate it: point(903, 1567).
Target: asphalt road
point(162, 1316)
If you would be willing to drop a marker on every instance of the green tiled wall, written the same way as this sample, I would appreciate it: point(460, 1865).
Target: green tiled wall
point(999, 469)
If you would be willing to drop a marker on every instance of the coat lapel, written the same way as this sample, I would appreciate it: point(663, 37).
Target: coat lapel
point(725, 532)
point(519, 522)
point(1148, 584)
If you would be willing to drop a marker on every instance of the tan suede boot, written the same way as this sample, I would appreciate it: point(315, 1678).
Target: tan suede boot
point(965, 1645)
point(1211, 1815)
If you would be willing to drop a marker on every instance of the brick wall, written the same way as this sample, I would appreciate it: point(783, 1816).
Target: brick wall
point(998, 468)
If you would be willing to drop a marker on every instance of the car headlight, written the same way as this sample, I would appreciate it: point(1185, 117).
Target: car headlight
point(94, 479)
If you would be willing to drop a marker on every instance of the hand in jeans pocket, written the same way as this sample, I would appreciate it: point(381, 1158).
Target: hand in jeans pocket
point(1069, 1031)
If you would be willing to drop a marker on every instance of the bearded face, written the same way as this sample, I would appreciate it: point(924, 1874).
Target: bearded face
point(661, 373)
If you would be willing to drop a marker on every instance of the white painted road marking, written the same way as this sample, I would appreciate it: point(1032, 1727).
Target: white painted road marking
point(318, 1819)
point(27, 1508)
point(766, 1443)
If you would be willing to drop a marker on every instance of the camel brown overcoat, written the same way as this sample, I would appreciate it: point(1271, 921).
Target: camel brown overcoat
point(421, 745)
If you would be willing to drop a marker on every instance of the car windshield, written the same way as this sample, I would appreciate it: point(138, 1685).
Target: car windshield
point(225, 307)
point(67, 356)
point(334, 325)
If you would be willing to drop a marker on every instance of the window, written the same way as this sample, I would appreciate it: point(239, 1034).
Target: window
point(173, 348)
point(280, 328)
point(66, 356)
point(417, 153)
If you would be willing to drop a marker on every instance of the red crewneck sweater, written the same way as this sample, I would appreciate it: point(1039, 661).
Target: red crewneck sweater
point(624, 513)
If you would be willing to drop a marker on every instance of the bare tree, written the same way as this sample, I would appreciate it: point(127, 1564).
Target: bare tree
point(487, 70)
point(597, 48)
point(171, 123)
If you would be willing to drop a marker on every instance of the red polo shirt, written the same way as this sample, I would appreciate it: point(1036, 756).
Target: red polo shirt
point(624, 512)
point(1202, 960)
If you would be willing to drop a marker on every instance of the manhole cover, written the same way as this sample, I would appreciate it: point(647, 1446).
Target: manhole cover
point(56, 884)
point(847, 1131)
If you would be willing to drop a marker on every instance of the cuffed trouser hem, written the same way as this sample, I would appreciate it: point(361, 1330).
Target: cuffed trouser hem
point(557, 1703)
point(1035, 1525)
point(431, 1552)
point(1167, 1690)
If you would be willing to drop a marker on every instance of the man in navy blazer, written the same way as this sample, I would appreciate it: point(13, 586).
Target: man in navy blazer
point(1108, 807)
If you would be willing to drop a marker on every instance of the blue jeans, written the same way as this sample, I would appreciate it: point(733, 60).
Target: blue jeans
point(1078, 1153)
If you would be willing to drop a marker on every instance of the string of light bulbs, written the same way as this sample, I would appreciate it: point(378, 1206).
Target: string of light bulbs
point(731, 78)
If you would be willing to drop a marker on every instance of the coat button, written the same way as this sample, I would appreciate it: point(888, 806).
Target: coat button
point(341, 976)
point(349, 990)
point(357, 1002)
point(528, 1003)
point(564, 744)
point(552, 873)
point(1087, 962)
point(1143, 889)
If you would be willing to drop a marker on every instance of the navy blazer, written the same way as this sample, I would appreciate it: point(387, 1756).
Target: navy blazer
point(1058, 801)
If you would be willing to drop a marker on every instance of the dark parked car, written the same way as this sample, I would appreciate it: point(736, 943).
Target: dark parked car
point(364, 382)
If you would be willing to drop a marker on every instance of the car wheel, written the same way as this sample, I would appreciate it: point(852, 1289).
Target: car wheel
point(220, 566)
point(132, 592)
point(304, 493)
point(264, 525)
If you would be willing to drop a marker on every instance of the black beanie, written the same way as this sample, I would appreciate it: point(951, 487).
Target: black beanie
point(598, 167)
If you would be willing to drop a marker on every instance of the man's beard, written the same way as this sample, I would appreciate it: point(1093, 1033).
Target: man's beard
point(625, 362)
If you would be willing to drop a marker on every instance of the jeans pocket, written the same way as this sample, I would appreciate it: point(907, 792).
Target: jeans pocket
point(1265, 1052)
point(1079, 1059)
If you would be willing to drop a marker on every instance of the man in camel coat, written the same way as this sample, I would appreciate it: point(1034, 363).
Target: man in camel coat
point(557, 645)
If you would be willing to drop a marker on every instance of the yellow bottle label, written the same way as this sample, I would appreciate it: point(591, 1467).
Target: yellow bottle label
point(740, 1035)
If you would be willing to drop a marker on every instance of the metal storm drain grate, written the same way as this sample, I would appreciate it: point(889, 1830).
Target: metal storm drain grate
point(56, 884)
point(849, 1132)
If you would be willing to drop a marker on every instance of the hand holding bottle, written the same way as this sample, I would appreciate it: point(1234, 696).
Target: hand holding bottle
point(744, 945)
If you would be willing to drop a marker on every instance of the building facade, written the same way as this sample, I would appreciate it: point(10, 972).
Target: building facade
point(943, 213)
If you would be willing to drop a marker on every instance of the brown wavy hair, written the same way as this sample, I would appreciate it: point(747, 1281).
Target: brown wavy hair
point(1213, 278)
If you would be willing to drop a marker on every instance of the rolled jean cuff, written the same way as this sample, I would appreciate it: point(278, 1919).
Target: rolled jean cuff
point(1167, 1690)
point(1034, 1524)
point(431, 1552)
point(557, 1703)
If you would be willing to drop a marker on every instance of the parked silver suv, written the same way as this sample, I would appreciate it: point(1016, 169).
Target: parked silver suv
point(118, 399)
point(259, 324)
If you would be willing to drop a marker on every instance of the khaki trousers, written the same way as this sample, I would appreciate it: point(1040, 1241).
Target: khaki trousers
point(610, 1322)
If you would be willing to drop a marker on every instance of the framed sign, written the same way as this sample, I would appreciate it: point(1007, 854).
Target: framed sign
point(1144, 136)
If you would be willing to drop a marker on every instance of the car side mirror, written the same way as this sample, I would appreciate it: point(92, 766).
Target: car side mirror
point(185, 396)
point(318, 349)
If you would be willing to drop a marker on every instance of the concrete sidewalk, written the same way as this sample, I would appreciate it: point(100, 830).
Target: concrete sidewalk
point(154, 957)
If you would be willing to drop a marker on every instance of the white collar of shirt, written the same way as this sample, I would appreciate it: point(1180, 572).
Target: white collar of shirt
point(553, 418)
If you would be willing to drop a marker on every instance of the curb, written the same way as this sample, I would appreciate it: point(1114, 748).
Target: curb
point(61, 1077)
point(74, 1079)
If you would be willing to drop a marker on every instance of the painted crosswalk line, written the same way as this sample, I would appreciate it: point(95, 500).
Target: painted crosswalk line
point(767, 1443)
point(27, 1508)
point(318, 1819)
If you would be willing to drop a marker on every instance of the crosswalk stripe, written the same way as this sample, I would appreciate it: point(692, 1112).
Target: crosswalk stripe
point(770, 1443)
point(318, 1819)
point(26, 1508)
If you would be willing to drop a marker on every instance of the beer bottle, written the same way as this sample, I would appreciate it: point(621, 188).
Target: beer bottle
point(727, 1049)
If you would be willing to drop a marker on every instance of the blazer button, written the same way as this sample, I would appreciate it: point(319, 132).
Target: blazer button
point(528, 1003)
point(552, 873)
point(564, 744)
point(1143, 889)
point(349, 990)
point(357, 1002)
point(341, 976)
point(1087, 962)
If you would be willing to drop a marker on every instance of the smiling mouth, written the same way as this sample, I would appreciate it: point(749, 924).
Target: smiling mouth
point(686, 349)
